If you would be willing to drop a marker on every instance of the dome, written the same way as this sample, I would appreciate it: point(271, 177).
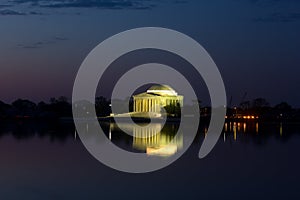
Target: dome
point(162, 90)
point(161, 87)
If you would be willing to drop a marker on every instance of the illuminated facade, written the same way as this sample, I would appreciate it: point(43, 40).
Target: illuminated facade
point(156, 97)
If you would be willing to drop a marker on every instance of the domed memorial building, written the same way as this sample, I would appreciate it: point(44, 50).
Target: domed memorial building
point(156, 97)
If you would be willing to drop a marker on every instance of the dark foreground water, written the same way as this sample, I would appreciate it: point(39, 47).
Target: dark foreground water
point(40, 160)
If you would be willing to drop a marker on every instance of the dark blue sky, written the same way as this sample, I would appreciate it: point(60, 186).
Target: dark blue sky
point(255, 43)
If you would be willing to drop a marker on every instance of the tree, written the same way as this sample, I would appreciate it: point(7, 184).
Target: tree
point(24, 107)
point(62, 99)
point(173, 109)
point(102, 106)
point(4, 109)
point(245, 105)
point(283, 107)
point(260, 103)
point(197, 103)
point(61, 107)
point(52, 100)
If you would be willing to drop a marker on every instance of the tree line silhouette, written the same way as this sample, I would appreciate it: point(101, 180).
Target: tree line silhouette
point(24, 108)
point(61, 107)
point(56, 108)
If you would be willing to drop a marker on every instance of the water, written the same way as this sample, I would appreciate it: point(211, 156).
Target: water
point(41, 160)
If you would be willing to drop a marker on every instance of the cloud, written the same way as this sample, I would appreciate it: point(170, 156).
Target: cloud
point(100, 4)
point(10, 12)
point(58, 38)
point(5, 5)
point(34, 13)
point(279, 17)
point(270, 2)
point(28, 46)
point(277, 11)
point(105, 4)
point(41, 44)
point(180, 1)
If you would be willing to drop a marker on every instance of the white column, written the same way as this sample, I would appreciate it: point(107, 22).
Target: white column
point(140, 110)
point(138, 106)
point(134, 104)
point(143, 105)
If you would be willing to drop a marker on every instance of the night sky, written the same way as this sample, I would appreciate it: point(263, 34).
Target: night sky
point(255, 43)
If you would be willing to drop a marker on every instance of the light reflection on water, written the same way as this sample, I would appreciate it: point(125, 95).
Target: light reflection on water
point(149, 137)
point(47, 161)
point(155, 139)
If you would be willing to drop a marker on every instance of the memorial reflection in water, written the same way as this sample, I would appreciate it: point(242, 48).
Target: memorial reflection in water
point(154, 139)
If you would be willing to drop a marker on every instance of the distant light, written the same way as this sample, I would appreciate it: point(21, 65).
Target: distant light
point(249, 117)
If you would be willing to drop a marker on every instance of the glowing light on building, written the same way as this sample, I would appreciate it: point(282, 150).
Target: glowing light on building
point(156, 97)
